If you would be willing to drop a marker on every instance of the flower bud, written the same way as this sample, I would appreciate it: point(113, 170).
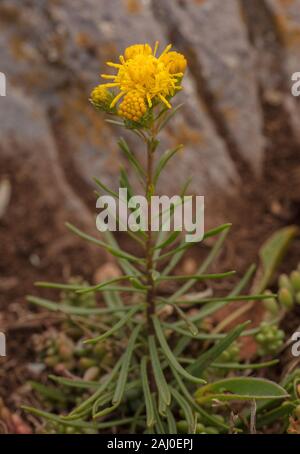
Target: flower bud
point(271, 306)
point(284, 281)
point(286, 298)
point(295, 280)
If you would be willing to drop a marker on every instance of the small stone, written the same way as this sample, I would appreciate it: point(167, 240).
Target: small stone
point(91, 374)
point(106, 272)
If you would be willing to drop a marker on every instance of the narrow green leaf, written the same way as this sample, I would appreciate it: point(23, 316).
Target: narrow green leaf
point(272, 253)
point(74, 383)
point(169, 115)
point(124, 183)
point(213, 307)
point(126, 266)
point(162, 385)
point(208, 418)
point(88, 403)
point(147, 393)
point(185, 408)
point(250, 366)
point(206, 263)
point(164, 160)
point(159, 426)
point(49, 392)
point(72, 310)
point(172, 428)
point(113, 251)
point(132, 158)
point(190, 325)
point(199, 366)
point(122, 380)
point(105, 411)
point(185, 245)
point(170, 356)
point(105, 188)
point(223, 298)
point(196, 277)
point(171, 238)
point(115, 328)
point(115, 122)
point(284, 411)
point(76, 424)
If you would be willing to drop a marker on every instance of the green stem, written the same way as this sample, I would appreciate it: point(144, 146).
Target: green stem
point(150, 295)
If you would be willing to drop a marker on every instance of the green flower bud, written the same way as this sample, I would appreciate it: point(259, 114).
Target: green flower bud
point(297, 411)
point(86, 363)
point(297, 298)
point(182, 427)
point(271, 306)
point(269, 339)
point(199, 428)
point(284, 281)
point(286, 298)
point(295, 280)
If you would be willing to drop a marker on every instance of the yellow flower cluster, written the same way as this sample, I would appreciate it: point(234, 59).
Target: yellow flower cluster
point(100, 94)
point(101, 97)
point(144, 79)
point(133, 107)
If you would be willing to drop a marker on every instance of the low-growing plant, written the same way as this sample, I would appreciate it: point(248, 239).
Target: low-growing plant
point(167, 373)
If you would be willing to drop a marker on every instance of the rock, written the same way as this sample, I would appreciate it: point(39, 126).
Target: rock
point(52, 52)
point(56, 51)
point(274, 28)
point(41, 194)
point(214, 37)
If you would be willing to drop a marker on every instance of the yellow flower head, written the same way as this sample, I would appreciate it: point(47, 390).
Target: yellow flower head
point(175, 62)
point(133, 106)
point(100, 94)
point(102, 98)
point(137, 49)
point(141, 71)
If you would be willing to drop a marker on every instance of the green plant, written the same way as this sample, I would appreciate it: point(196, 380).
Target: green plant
point(162, 354)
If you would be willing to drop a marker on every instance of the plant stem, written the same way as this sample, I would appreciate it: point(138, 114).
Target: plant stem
point(150, 296)
point(149, 243)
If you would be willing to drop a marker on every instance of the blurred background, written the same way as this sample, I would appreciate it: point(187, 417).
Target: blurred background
point(239, 125)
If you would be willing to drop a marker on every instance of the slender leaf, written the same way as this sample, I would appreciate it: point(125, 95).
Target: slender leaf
point(147, 393)
point(172, 428)
point(113, 251)
point(122, 380)
point(115, 328)
point(164, 160)
point(185, 408)
point(272, 253)
point(132, 158)
point(170, 356)
point(199, 366)
point(162, 385)
point(72, 310)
